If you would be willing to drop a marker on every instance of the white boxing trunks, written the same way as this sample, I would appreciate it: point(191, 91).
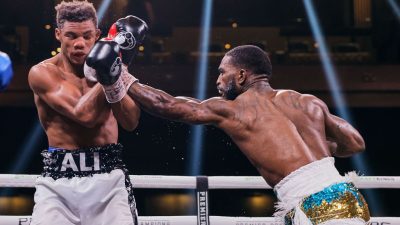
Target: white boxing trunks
point(84, 187)
point(317, 194)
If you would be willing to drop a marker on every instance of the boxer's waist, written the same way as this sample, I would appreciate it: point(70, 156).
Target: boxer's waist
point(59, 162)
point(307, 180)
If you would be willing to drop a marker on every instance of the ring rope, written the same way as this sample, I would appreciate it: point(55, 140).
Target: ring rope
point(190, 182)
point(215, 182)
point(192, 220)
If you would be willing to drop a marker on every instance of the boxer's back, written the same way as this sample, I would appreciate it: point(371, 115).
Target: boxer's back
point(279, 131)
point(61, 130)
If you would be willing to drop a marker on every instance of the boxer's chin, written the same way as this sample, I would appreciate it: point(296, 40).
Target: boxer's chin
point(231, 91)
point(77, 60)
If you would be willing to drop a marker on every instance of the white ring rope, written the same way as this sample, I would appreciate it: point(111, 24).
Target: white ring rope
point(192, 220)
point(214, 182)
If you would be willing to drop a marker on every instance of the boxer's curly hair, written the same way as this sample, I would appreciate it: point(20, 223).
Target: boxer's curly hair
point(75, 11)
point(252, 58)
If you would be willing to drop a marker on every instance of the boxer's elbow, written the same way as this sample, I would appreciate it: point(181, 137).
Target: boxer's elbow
point(131, 126)
point(352, 146)
point(88, 123)
point(86, 120)
point(358, 144)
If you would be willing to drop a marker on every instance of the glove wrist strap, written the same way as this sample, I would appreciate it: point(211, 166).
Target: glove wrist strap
point(115, 92)
point(127, 78)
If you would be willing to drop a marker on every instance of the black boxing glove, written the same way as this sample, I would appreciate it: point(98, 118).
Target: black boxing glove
point(104, 63)
point(127, 78)
point(129, 33)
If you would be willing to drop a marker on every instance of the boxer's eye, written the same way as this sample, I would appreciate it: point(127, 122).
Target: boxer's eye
point(70, 36)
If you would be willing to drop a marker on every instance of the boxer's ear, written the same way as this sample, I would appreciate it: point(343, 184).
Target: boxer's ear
point(98, 33)
point(57, 33)
point(242, 76)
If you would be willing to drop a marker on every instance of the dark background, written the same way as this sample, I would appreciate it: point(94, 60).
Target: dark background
point(157, 146)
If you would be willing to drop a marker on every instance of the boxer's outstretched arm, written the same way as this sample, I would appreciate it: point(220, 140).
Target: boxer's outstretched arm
point(66, 99)
point(343, 139)
point(189, 110)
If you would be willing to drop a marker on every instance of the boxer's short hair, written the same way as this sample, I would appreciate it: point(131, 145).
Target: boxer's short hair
point(252, 58)
point(75, 11)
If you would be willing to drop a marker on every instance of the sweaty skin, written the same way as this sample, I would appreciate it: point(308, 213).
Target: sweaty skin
point(278, 130)
point(73, 111)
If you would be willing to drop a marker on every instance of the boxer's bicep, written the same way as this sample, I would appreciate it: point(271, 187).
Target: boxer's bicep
point(54, 92)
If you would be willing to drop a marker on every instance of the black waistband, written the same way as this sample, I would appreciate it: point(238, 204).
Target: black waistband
point(82, 162)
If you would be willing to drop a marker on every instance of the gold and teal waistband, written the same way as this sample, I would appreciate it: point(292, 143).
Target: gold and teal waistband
point(338, 201)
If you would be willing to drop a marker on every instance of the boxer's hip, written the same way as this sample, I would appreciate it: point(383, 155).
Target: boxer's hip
point(316, 193)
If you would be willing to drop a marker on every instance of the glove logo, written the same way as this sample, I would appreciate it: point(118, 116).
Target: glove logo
point(116, 67)
point(125, 40)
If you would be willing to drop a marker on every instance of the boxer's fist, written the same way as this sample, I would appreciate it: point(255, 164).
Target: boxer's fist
point(103, 63)
point(128, 32)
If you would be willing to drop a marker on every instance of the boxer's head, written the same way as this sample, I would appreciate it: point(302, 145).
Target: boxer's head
point(76, 29)
point(75, 11)
point(238, 65)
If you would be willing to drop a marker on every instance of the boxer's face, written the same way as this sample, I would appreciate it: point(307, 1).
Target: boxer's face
point(226, 82)
point(77, 38)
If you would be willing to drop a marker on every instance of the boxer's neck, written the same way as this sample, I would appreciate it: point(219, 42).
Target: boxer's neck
point(77, 70)
point(256, 83)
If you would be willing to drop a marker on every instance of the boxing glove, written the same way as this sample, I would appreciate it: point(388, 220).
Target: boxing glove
point(91, 75)
point(105, 62)
point(129, 33)
point(6, 71)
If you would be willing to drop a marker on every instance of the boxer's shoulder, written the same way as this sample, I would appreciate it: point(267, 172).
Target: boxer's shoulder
point(287, 93)
point(49, 65)
point(44, 74)
point(47, 68)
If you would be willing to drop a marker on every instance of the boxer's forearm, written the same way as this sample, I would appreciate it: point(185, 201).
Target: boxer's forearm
point(336, 150)
point(159, 103)
point(127, 113)
point(347, 138)
point(90, 109)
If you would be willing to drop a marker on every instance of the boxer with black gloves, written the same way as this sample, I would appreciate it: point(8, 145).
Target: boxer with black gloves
point(290, 137)
point(84, 180)
point(129, 33)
